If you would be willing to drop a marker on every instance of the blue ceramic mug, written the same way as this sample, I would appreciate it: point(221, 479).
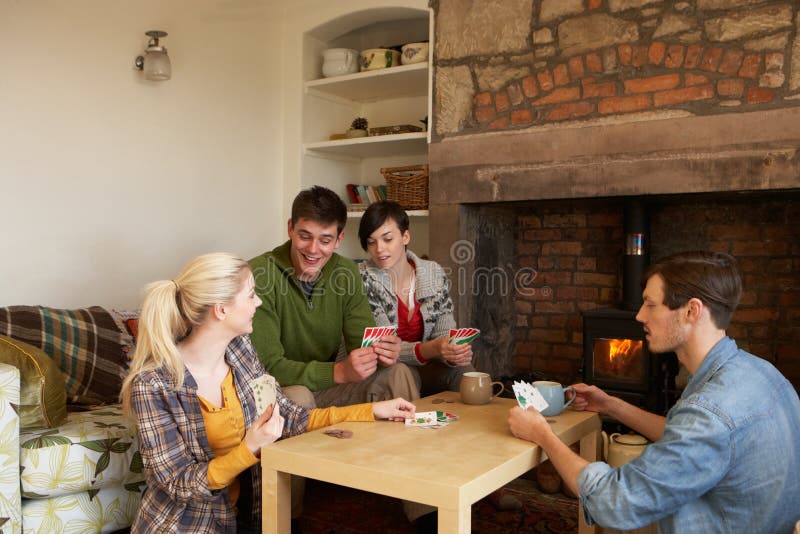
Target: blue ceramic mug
point(554, 393)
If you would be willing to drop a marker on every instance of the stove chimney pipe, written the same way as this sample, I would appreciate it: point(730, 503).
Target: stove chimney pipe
point(637, 252)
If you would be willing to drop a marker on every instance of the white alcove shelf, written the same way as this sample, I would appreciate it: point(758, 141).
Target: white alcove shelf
point(398, 95)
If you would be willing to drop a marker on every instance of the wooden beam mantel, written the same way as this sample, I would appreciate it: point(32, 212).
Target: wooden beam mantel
point(686, 154)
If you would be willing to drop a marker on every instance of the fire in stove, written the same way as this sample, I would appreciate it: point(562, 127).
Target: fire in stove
point(619, 359)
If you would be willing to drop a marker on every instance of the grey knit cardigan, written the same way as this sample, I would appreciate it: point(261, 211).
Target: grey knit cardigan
point(432, 293)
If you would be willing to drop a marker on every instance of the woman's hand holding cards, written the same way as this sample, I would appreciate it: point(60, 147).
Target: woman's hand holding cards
point(395, 409)
point(265, 430)
point(451, 353)
point(455, 354)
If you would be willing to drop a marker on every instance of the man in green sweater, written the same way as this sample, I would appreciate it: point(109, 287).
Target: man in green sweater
point(313, 300)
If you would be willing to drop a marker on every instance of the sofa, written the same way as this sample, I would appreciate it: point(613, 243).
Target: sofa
point(69, 460)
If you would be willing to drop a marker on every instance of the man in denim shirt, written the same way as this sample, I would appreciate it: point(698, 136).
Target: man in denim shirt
point(727, 456)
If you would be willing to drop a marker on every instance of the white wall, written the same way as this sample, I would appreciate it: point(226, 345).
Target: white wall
point(108, 181)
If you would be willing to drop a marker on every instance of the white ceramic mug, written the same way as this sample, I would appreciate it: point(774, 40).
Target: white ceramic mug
point(339, 61)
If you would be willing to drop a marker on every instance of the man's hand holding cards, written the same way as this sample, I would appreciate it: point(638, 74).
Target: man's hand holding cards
point(527, 395)
point(375, 333)
point(384, 341)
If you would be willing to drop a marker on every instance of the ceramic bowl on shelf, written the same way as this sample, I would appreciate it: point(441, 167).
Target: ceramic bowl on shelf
point(339, 61)
point(414, 53)
point(379, 58)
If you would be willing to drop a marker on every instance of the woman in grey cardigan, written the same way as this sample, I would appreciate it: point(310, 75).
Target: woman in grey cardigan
point(413, 294)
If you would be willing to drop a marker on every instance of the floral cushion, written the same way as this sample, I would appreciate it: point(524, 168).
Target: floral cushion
point(92, 450)
point(10, 517)
point(104, 510)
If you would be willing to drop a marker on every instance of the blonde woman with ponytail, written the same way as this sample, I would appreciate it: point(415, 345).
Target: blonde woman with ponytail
point(189, 390)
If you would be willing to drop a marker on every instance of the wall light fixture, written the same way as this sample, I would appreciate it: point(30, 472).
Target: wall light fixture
point(155, 61)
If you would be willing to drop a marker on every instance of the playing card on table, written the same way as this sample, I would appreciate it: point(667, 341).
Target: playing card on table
point(446, 417)
point(527, 395)
point(462, 336)
point(436, 419)
point(375, 333)
point(264, 391)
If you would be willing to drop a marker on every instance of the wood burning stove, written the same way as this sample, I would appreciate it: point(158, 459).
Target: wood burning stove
point(615, 353)
point(617, 360)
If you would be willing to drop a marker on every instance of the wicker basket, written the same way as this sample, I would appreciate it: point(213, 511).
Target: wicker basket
point(408, 186)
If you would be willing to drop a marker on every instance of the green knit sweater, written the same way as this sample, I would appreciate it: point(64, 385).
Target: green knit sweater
point(298, 338)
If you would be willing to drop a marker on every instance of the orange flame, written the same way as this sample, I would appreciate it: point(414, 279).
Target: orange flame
point(619, 348)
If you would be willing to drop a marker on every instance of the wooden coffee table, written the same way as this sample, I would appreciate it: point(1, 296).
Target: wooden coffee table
point(449, 468)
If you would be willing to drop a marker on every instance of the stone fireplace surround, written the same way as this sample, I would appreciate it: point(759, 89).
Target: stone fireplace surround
point(485, 189)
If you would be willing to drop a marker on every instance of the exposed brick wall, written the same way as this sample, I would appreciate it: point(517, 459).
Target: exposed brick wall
point(661, 76)
point(522, 63)
point(576, 248)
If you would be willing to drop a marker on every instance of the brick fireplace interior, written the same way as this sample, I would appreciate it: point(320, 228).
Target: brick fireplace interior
point(576, 248)
point(545, 121)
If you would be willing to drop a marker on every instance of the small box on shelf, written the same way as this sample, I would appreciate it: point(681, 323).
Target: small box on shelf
point(393, 130)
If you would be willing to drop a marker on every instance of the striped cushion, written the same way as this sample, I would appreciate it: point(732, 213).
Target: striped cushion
point(86, 344)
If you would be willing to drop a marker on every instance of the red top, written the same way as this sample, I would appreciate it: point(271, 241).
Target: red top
point(409, 329)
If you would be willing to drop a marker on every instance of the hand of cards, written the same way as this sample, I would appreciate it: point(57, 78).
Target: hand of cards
point(527, 395)
point(375, 333)
point(462, 336)
point(264, 391)
point(431, 419)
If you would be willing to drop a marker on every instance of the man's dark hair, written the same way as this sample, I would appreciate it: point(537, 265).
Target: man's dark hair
point(321, 205)
point(711, 277)
point(375, 217)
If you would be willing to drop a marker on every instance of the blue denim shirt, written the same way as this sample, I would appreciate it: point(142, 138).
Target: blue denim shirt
point(729, 460)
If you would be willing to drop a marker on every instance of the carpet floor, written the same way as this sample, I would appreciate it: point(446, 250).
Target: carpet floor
point(331, 509)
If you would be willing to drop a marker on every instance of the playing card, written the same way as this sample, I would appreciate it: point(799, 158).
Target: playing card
point(436, 419)
point(375, 333)
point(527, 395)
point(423, 419)
point(462, 336)
point(446, 417)
point(264, 391)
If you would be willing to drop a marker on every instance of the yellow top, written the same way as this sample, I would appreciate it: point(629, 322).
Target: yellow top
point(225, 430)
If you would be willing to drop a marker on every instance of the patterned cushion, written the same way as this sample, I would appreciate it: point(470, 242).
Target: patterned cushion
point(87, 345)
point(94, 449)
point(104, 510)
point(10, 515)
point(43, 399)
point(133, 327)
point(128, 323)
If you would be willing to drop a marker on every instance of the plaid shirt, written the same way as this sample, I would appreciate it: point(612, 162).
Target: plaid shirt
point(176, 452)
